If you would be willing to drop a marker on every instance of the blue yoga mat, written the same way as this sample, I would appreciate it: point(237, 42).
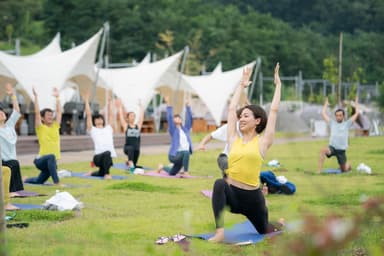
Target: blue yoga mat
point(123, 166)
point(81, 175)
point(241, 234)
point(25, 193)
point(332, 171)
point(28, 206)
point(62, 185)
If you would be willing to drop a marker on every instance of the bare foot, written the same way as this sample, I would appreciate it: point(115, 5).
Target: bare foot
point(185, 174)
point(107, 177)
point(160, 168)
point(11, 207)
point(24, 178)
point(13, 194)
point(218, 237)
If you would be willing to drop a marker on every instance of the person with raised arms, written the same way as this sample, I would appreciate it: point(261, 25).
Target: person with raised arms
point(48, 134)
point(132, 132)
point(339, 133)
point(181, 143)
point(241, 190)
point(102, 137)
point(8, 139)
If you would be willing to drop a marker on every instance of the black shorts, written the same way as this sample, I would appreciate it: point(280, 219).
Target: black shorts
point(340, 155)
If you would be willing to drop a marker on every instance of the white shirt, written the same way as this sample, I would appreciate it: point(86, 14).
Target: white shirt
point(221, 134)
point(103, 140)
point(183, 144)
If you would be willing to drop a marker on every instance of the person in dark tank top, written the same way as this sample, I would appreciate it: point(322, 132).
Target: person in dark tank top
point(132, 132)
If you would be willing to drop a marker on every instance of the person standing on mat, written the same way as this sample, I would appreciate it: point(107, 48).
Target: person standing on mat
point(339, 133)
point(241, 190)
point(47, 132)
point(181, 143)
point(132, 134)
point(8, 139)
point(102, 137)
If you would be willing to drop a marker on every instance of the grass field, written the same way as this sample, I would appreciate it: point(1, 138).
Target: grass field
point(125, 217)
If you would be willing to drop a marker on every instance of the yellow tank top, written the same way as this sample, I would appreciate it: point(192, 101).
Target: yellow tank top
point(49, 139)
point(244, 162)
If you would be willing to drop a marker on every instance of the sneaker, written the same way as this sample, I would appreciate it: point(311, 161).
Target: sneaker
point(177, 238)
point(162, 240)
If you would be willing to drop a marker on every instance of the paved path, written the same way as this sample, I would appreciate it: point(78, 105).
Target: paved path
point(81, 156)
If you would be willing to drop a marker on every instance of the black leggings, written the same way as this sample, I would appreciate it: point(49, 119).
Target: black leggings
point(16, 183)
point(250, 203)
point(104, 162)
point(133, 153)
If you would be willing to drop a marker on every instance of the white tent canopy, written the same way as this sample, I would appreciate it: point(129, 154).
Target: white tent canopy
point(49, 71)
point(52, 48)
point(139, 82)
point(216, 88)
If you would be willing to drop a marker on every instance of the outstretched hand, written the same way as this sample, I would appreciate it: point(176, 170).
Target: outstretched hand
point(276, 75)
point(34, 91)
point(326, 102)
point(247, 71)
point(55, 92)
point(9, 89)
point(86, 96)
point(166, 100)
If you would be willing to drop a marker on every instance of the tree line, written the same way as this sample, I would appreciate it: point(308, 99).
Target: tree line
point(300, 34)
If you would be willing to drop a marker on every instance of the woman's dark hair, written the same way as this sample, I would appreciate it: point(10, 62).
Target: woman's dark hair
point(258, 112)
point(97, 116)
point(5, 112)
point(45, 110)
point(129, 113)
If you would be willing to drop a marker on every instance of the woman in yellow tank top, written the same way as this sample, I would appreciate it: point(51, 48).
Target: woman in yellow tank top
point(241, 190)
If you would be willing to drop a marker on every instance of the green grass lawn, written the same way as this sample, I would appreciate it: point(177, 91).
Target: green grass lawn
point(125, 217)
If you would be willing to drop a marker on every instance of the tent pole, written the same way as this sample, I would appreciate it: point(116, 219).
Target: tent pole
point(256, 70)
point(100, 59)
point(261, 88)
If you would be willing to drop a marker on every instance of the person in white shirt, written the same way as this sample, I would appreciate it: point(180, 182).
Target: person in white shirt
point(221, 135)
point(102, 137)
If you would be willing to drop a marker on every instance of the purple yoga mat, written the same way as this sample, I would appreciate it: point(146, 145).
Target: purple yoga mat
point(207, 193)
point(164, 174)
point(25, 193)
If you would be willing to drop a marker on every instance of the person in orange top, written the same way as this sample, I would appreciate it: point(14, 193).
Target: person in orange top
point(241, 191)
